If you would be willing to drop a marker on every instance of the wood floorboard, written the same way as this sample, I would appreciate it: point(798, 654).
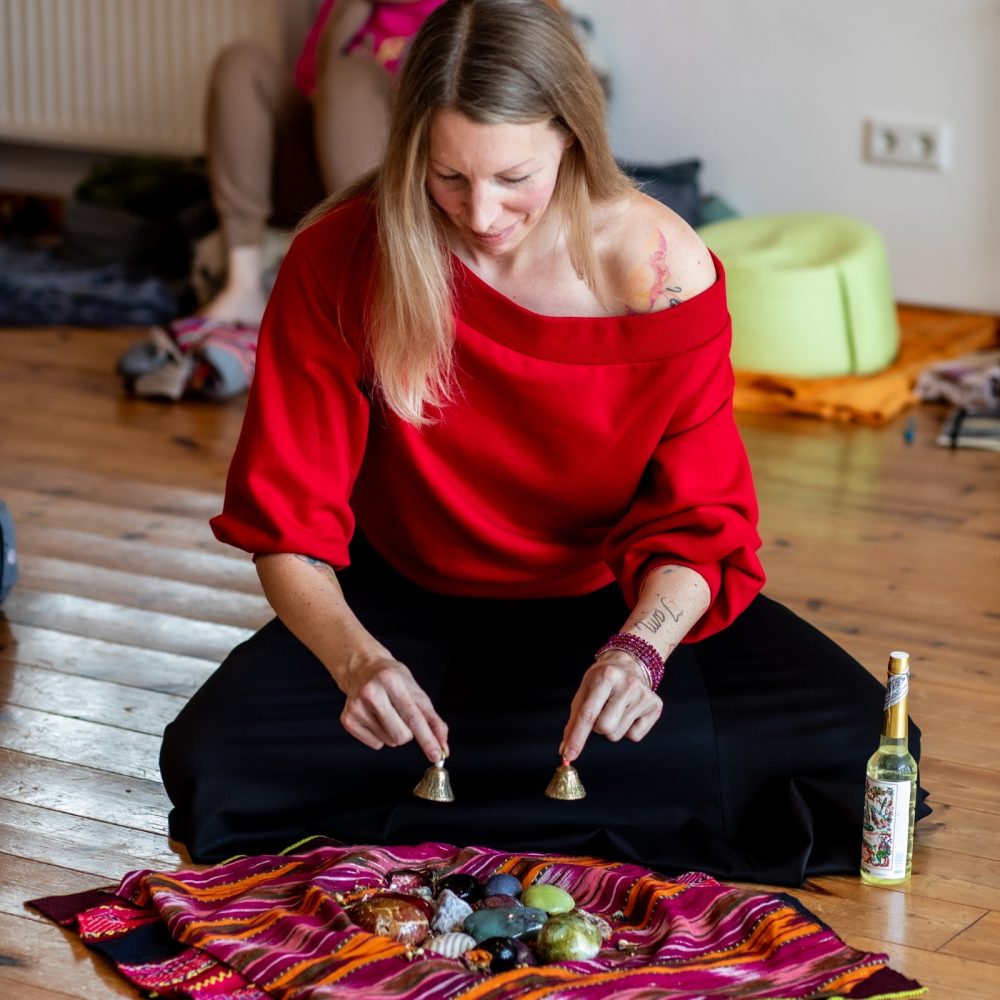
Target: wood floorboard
point(25, 991)
point(169, 673)
point(36, 952)
point(136, 440)
point(111, 520)
point(97, 619)
point(114, 463)
point(44, 736)
point(79, 790)
point(24, 879)
point(946, 976)
point(981, 941)
point(168, 562)
point(972, 787)
point(896, 917)
point(127, 495)
point(119, 706)
point(146, 590)
point(127, 603)
point(81, 843)
point(965, 831)
point(957, 878)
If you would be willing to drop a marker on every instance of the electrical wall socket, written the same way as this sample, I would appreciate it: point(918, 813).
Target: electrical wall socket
point(908, 144)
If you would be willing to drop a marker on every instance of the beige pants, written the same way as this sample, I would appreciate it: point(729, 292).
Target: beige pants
point(273, 153)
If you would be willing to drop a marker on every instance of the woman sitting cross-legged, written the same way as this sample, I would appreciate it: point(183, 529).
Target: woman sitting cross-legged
point(491, 479)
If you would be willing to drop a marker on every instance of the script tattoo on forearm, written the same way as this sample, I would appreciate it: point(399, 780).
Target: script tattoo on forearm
point(321, 567)
point(653, 622)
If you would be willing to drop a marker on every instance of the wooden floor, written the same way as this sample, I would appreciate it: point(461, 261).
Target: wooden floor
point(126, 603)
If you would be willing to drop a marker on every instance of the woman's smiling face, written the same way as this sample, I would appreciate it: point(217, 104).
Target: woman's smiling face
point(493, 182)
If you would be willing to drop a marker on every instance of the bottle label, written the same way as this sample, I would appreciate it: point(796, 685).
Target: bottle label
point(885, 836)
point(896, 690)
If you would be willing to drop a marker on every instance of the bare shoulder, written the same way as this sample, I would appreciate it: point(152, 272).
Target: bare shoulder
point(652, 259)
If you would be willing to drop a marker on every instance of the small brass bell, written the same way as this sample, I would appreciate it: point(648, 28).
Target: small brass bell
point(435, 785)
point(566, 783)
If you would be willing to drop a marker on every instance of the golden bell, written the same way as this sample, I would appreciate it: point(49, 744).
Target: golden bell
point(566, 783)
point(435, 785)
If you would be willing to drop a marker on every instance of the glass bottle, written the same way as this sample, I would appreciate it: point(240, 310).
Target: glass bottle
point(890, 788)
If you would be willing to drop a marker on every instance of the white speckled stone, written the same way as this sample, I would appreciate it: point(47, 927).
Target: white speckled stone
point(451, 912)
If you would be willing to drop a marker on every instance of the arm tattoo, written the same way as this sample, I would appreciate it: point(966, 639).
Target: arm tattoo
point(653, 622)
point(661, 275)
point(644, 294)
point(321, 567)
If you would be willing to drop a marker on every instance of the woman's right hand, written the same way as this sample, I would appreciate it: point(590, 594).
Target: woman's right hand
point(387, 707)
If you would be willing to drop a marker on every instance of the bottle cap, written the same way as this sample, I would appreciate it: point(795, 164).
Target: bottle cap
point(899, 663)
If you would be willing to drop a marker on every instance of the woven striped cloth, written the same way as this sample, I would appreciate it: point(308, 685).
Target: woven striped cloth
point(273, 926)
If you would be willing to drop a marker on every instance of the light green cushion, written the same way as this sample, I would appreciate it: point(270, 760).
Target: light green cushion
point(809, 293)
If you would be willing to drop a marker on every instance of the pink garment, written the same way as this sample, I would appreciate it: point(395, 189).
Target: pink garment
point(384, 36)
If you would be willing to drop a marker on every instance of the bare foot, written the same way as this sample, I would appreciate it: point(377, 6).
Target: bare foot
point(241, 298)
point(236, 305)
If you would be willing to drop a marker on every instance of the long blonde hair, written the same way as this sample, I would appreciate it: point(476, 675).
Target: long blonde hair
point(494, 61)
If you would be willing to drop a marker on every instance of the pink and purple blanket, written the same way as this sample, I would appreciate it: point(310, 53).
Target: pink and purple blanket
point(274, 926)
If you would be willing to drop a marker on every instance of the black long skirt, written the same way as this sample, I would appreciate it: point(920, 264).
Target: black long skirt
point(755, 770)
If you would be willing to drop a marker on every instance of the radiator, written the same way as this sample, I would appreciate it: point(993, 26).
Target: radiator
point(117, 75)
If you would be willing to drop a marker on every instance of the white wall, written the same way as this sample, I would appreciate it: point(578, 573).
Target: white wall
point(772, 96)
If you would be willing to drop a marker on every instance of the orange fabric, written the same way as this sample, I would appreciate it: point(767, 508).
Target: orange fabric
point(927, 335)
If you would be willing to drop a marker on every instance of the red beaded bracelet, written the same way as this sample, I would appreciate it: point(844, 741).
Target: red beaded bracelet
point(644, 653)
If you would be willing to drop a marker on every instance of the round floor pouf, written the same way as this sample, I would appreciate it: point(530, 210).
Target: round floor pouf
point(809, 293)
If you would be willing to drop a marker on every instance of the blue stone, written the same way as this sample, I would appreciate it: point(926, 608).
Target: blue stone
point(502, 884)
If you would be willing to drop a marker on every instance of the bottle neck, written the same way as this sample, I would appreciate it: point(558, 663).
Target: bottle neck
point(894, 718)
point(893, 743)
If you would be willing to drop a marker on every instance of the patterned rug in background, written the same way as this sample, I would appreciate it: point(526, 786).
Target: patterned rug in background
point(273, 926)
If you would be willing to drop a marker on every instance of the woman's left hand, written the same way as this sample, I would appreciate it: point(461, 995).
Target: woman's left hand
point(615, 700)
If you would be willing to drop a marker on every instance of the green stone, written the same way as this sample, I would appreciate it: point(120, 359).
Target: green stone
point(523, 921)
point(549, 898)
point(569, 937)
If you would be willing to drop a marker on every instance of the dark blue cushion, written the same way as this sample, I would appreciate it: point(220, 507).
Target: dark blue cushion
point(675, 184)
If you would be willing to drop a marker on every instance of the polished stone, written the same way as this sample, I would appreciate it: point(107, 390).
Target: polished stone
point(392, 916)
point(502, 884)
point(452, 945)
point(409, 880)
point(504, 952)
point(499, 902)
point(568, 937)
point(466, 887)
point(549, 898)
point(523, 921)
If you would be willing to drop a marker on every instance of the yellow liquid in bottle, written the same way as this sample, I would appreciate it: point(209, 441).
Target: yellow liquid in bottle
point(890, 810)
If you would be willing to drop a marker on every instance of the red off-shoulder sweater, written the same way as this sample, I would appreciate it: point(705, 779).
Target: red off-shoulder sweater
point(578, 450)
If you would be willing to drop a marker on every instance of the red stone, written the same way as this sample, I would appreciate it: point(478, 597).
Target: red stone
point(393, 916)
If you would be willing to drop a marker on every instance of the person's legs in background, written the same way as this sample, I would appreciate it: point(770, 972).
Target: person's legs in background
point(350, 113)
point(260, 149)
